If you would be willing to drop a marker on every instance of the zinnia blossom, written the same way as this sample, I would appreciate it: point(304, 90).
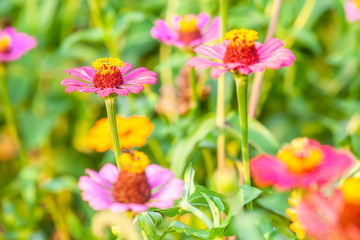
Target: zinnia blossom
point(13, 44)
point(241, 54)
point(137, 187)
point(334, 217)
point(352, 10)
point(107, 76)
point(305, 163)
point(132, 132)
point(189, 31)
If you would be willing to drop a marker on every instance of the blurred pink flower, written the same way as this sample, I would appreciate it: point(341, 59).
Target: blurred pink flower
point(189, 30)
point(352, 10)
point(304, 163)
point(13, 44)
point(336, 217)
point(103, 189)
point(240, 53)
point(107, 76)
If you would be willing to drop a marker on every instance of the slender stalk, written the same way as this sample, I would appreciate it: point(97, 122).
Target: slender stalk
point(9, 115)
point(194, 95)
point(241, 92)
point(110, 102)
point(220, 107)
point(144, 235)
point(255, 91)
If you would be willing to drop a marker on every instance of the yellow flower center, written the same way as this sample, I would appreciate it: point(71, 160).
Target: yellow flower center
point(242, 37)
point(299, 156)
point(5, 42)
point(135, 162)
point(108, 74)
point(188, 24)
point(350, 189)
point(295, 226)
point(357, 2)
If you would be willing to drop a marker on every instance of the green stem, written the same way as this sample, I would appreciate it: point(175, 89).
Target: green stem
point(223, 14)
point(9, 115)
point(241, 92)
point(110, 102)
point(194, 95)
point(190, 208)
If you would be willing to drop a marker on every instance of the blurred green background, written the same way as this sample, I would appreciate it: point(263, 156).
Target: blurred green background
point(317, 97)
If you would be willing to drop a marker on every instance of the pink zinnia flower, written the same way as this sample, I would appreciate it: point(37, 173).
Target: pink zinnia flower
point(352, 10)
point(334, 217)
point(107, 76)
point(137, 187)
point(304, 163)
point(189, 31)
point(13, 44)
point(240, 53)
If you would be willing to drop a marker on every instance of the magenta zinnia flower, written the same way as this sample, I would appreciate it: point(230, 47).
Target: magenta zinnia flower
point(107, 76)
point(13, 44)
point(240, 53)
point(189, 31)
point(304, 163)
point(136, 187)
point(352, 10)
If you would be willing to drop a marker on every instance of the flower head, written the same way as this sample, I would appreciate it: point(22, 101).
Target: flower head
point(352, 10)
point(296, 226)
point(189, 31)
point(304, 163)
point(13, 44)
point(240, 53)
point(107, 76)
point(334, 217)
point(136, 187)
point(132, 131)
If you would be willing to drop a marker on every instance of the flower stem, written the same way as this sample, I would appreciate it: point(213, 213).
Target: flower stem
point(220, 107)
point(110, 102)
point(194, 96)
point(241, 92)
point(9, 115)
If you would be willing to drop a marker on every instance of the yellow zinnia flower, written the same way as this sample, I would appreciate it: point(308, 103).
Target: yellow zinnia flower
point(132, 131)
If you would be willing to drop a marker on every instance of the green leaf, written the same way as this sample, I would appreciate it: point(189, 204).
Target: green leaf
point(183, 228)
point(244, 195)
point(145, 221)
point(183, 150)
point(214, 210)
point(58, 184)
point(275, 202)
point(189, 186)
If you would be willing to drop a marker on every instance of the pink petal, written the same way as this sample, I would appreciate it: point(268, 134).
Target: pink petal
point(216, 52)
point(72, 88)
point(280, 58)
point(85, 73)
point(158, 176)
point(126, 68)
point(137, 207)
point(121, 92)
point(91, 188)
point(352, 12)
point(161, 204)
point(200, 63)
point(109, 172)
point(119, 207)
point(163, 32)
point(170, 191)
point(213, 31)
point(98, 179)
point(176, 22)
point(268, 170)
point(217, 72)
point(105, 92)
point(74, 82)
point(141, 76)
point(202, 20)
point(269, 47)
point(100, 203)
point(134, 88)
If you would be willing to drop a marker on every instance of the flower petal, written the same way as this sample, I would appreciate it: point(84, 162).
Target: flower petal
point(105, 92)
point(200, 63)
point(217, 72)
point(202, 20)
point(98, 179)
point(170, 191)
point(85, 73)
point(213, 31)
point(126, 68)
point(137, 207)
point(119, 207)
point(163, 32)
point(74, 82)
point(216, 52)
point(109, 172)
point(72, 88)
point(158, 176)
point(121, 92)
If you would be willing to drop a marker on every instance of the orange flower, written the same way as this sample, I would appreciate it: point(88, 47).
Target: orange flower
point(132, 131)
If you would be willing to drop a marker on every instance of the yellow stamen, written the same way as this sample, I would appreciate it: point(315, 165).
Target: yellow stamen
point(5, 42)
point(299, 157)
point(350, 188)
point(296, 225)
point(135, 162)
point(242, 36)
point(188, 24)
point(107, 65)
